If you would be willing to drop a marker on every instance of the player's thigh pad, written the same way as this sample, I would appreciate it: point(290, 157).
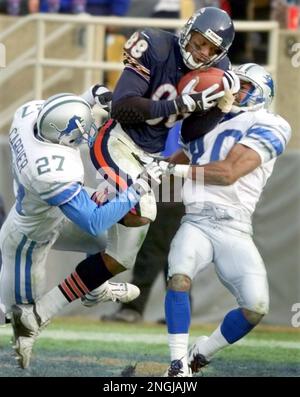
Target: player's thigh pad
point(241, 269)
point(72, 238)
point(22, 277)
point(191, 251)
point(123, 243)
point(120, 157)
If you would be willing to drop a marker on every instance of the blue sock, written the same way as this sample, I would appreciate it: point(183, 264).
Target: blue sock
point(235, 326)
point(178, 312)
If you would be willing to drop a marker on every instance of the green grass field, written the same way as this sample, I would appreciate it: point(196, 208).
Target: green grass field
point(74, 347)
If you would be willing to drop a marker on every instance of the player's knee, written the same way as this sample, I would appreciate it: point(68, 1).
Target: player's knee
point(131, 220)
point(252, 316)
point(256, 305)
point(180, 282)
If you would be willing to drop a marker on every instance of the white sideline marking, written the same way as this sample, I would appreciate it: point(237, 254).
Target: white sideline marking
point(149, 339)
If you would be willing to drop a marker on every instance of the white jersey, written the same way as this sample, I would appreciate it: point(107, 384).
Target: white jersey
point(46, 175)
point(262, 131)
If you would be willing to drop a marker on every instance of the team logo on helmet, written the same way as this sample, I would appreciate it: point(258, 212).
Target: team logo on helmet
point(74, 123)
point(270, 83)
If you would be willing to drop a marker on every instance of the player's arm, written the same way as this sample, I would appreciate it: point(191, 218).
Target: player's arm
point(95, 219)
point(261, 144)
point(129, 106)
point(179, 157)
point(240, 161)
point(198, 124)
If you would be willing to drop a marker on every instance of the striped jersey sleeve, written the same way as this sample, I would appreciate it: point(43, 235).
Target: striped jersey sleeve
point(60, 193)
point(268, 140)
point(136, 57)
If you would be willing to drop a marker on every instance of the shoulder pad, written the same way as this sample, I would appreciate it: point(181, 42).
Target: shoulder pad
point(160, 43)
point(273, 120)
point(224, 64)
point(29, 108)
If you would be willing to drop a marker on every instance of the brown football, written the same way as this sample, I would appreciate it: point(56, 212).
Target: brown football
point(207, 78)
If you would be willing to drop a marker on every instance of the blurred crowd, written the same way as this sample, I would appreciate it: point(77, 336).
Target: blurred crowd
point(94, 7)
point(246, 46)
point(237, 9)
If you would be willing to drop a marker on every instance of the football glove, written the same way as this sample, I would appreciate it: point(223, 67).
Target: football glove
point(231, 84)
point(198, 102)
point(100, 197)
point(98, 95)
point(148, 179)
point(179, 170)
point(102, 96)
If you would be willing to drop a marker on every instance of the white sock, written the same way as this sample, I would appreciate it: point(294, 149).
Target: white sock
point(214, 343)
point(50, 304)
point(178, 344)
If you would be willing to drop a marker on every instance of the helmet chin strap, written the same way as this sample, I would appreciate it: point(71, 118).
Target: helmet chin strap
point(189, 61)
point(191, 64)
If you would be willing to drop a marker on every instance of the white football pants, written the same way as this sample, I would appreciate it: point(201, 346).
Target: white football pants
point(23, 272)
point(238, 264)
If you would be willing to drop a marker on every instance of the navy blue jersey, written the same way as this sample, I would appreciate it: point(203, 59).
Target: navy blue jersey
point(153, 68)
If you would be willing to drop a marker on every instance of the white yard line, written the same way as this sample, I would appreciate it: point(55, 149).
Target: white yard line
point(149, 339)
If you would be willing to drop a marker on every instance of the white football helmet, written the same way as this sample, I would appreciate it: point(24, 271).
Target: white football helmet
point(66, 119)
point(261, 93)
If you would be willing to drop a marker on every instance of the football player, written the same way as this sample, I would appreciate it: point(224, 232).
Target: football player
point(145, 105)
point(229, 169)
point(48, 172)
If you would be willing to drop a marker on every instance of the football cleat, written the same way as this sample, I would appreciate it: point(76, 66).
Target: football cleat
point(177, 370)
point(196, 360)
point(109, 291)
point(26, 324)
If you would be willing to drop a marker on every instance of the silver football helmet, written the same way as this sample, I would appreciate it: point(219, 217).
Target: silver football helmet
point(261, 92)
point(66, 119)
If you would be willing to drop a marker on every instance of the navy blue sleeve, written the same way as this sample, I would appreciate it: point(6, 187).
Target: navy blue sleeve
point(129, 85)
point(199, 124)
point(129, 104)
point(93, 219)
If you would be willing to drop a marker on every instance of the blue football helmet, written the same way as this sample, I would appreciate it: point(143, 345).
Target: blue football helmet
point(216, 26)
point(261, 92)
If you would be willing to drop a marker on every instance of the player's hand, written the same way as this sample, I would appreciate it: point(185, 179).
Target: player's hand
point(198, 102)
point(233, 82)
point(102, 96)
point(231, 86)
point(189, 88)
point(100, 197)
point(148, 179)
point(166, 167)
point(178, 170)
